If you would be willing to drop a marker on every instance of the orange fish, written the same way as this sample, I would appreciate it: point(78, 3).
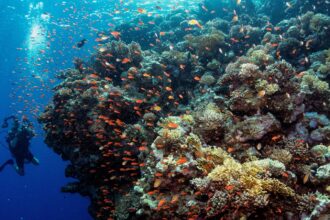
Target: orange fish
point(197, 78)
point(143, 148)
point(152, 192)
point(142, 11)
point(168, 88)
point(146, 75)
point(93, 75)
point(181, 160)
point(161, 203)
point(229, 187)
point(158, 174)
point(276, 138)
point(115, 34)
point(195, 22)
point(230, 149)
point(172, 125)
point(125, 60)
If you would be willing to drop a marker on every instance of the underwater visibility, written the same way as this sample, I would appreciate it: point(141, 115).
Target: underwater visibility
point(168, 109)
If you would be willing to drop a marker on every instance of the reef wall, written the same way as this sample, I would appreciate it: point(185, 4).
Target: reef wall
point(215, 118)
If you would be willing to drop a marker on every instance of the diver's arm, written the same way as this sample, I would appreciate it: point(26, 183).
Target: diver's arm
point(5, 121)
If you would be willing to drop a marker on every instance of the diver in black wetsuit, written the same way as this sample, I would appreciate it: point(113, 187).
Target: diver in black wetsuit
point(18, 140)
point(81, 43)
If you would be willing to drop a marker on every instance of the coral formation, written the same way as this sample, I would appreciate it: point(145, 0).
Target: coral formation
point(213, 119)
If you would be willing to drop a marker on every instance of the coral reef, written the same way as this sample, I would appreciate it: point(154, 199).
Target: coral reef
point(203, 118)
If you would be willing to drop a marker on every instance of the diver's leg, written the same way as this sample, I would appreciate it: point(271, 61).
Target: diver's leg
point(19, 167)
point(32, 159)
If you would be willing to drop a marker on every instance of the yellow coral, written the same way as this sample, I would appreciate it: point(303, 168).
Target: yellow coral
point(194, 142)
point(312, 83)
point(224, 173)
point(260, 57)
point(269, 88)
point(215, 154)
point(276, 186)
point(172, 119)
point(189, 119)
point(249, 176)
point(211, 157)
point(171, 134)
point(211, 113)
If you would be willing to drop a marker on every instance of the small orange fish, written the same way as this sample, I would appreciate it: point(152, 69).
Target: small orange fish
point(172, 125)
point(142, 11)
point(300, 75)
point(285, 174)
point(197, 78)
point(229, 187)
point(230, 149)
point(115, 34)
point(181, 160)
point(195, 22)
point(93, 75)
point(276, 138)
point(161, 203)
point(143, 148)
point(152, 192)
point(125, 60)
point(168, 88)
point(139, 101)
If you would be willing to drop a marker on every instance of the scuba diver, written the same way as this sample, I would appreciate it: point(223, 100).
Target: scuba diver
point(18, 140)
point(81, 43)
